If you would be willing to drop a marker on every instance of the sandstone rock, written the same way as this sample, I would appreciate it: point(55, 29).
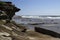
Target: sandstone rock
point(5, 38)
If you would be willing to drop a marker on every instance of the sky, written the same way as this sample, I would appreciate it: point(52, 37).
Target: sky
point(37, 7)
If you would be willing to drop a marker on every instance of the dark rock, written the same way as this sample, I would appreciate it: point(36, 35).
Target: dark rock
point(8, 8)
point(24, 30)
point(47, 32)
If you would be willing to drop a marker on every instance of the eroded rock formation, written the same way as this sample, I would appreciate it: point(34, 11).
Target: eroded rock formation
point(7, 10)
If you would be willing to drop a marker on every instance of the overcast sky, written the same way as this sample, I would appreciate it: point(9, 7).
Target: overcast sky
point(37, 7)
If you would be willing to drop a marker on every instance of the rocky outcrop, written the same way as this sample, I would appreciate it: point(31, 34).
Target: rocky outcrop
point(8, 9)
point(47, 32)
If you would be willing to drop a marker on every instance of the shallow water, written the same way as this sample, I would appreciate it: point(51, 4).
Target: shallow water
point(52, 27)
point(49, 23)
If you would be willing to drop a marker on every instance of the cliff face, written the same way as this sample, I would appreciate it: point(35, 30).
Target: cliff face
point(8, 9)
